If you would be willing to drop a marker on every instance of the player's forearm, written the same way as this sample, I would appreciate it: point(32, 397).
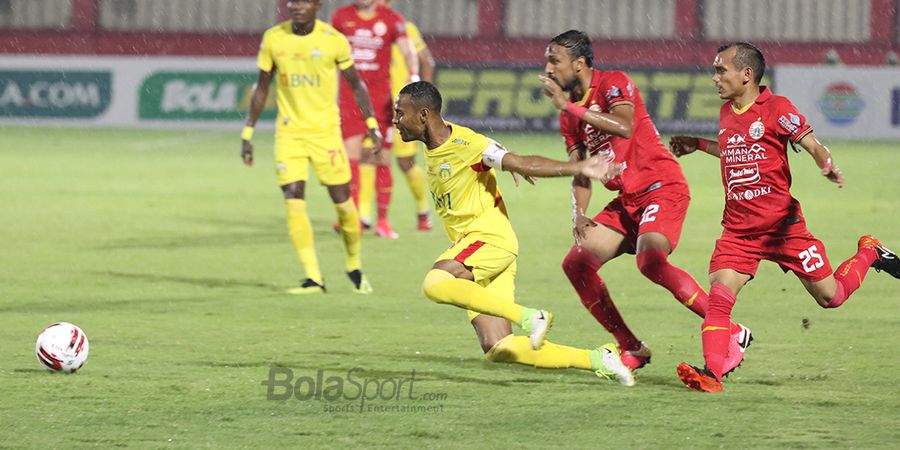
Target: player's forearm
point(708, 146)
point(411, 57)
point(257, 103)
point(362, 99)
point(538, 166)
point(820, 153)
point(426, 65)
point(581, 194)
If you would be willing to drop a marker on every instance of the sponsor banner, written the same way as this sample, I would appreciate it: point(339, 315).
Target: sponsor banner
point(844, 102)
point(54, 93)
point(199, 96)
point(500, 97)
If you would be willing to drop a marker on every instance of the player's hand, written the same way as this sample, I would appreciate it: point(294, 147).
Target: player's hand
point(834, 174)
point(530, 179)
point(579, 230)
point(247, 152)
point(377, 140)
point(600, 168)
point(554, 91)
point(683, 145)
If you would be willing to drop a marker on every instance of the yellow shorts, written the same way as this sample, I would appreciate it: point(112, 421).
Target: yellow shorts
point(326, 152)
point(493, 267)
point(405, 149)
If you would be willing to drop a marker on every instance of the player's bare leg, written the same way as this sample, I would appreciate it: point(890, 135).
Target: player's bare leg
point(834, 290)
point(349, 229)
point(450, 282)
point(598, 245)
point(415, 179)
point(500, 345)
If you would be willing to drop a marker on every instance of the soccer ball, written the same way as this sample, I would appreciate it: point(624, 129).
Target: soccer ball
point(62, 347)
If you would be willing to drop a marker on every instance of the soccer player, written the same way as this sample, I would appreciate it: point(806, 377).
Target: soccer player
point(761, 219)
point(477, 273)
point(306, 55)
point(372, 29)
point(602, 113)
point(405, 152)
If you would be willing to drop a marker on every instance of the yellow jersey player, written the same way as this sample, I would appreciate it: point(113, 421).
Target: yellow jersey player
point(477, 272)
point(306, 55)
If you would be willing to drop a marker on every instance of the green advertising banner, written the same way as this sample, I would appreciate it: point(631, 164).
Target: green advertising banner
point(186, 96)
point(510, 98)
point(54, 93)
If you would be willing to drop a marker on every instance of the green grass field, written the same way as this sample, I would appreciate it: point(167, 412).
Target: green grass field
point(172, 256)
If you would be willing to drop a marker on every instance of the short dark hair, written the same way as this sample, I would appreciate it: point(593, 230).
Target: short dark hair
point(424, 94)
point(577, 43)
point(747, 55)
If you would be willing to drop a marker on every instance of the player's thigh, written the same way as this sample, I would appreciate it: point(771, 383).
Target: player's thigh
point(729, 278)
point(734, 261)
point(291, 159)
point(485, 261)
point(329, 160)
point(353, 146)
point(805, 256)
point(661, 219)
point(603, 242)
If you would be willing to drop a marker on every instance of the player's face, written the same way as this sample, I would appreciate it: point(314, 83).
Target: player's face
point(363, 4)
point(560, 66)
point(303, 11)
point(408, 119)
point(729, 80)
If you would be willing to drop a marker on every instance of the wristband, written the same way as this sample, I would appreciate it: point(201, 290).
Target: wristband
point(702, 144)
point(371, 123)
point(414, 78)
point(576, 110)
point(828, 164)
point(247, 133)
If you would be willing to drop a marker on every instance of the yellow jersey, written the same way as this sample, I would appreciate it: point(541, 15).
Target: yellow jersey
point(307, 76)
point(399, 71)
point(465, 191)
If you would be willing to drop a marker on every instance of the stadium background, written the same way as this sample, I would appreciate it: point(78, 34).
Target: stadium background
point(127, 212)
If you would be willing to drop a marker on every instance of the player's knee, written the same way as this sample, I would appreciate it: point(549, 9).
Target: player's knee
point(651, 262)
point(499, 351)
point(431, 285)
point(578, 262)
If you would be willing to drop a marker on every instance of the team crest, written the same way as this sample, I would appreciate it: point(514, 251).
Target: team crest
point(380, 28)
point(280, 167)
point(757, 129)
point(316, 55)
point(444, 171)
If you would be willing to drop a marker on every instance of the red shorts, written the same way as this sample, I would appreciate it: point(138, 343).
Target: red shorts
point(661, 211)
point(796, 250)
point(352, 122)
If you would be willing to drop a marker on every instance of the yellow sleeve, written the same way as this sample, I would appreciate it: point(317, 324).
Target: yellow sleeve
point(343, 58)
point(264, 59)
point(412, 32)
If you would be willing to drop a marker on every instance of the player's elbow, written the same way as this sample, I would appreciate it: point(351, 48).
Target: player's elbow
point(624, 131)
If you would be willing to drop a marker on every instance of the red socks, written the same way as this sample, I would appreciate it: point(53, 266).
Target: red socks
point(354, 181)
point(654, 264)
point(716, 329)
point(581, 267)
point(384, 184)
point(850, 275)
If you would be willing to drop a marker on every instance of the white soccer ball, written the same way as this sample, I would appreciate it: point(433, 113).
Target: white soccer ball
point(62, 347)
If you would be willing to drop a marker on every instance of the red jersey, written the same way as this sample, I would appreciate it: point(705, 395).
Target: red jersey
point(370, 40)
point(648, 162)
point(755, 170)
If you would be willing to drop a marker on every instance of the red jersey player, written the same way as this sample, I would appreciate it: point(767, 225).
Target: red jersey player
point(761, 219)
point(604, 114)
point(372, 29)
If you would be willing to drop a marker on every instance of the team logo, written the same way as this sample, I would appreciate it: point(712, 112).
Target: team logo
point(444, 171)
point(757, 129)
point(741, 175)
point(736, 140)
point(841, 103)
point(280, 167)
point(630, 89)
point(613, 92)
point(380, 28)
point(316, 55)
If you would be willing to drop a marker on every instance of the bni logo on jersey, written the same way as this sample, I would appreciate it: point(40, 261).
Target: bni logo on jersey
point(841, 103)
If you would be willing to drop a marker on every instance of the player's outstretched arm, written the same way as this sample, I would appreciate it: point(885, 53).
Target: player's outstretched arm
point(685, 145)
point(822, 156)
point(537, 166)
point(257, 103)
point(365, 105)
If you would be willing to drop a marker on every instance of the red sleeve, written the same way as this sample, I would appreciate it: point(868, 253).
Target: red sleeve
point(791, 123)
point(397, 25)
point(568, 128)
point(336, 20)
point(617, 88)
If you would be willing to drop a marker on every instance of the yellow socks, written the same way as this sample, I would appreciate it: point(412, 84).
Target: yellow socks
point(415, 178)
point(300, 231)
point(442, 287)
point(348, 219)
point(366, 190)
point(517, 349)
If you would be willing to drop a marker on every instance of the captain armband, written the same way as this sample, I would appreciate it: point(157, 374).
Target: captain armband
point(493, 155)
